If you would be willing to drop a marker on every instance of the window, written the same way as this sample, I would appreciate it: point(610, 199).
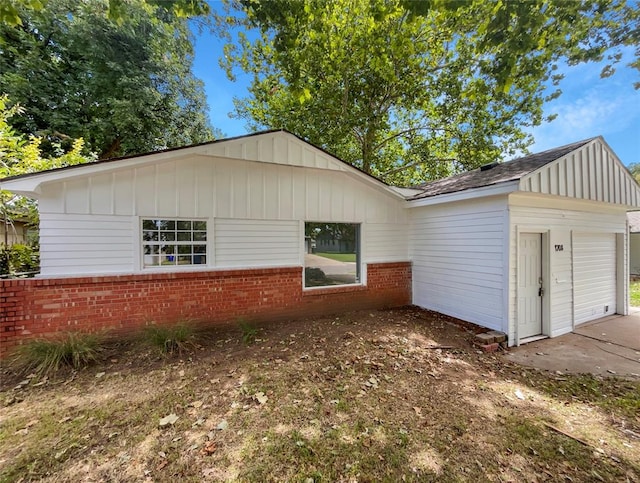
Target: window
point(332, 254)
point(174, 242)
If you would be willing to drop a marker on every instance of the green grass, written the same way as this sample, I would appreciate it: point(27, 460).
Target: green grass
point(169, 338)
point(634, 293)
point(340, 257)
point(71, 349)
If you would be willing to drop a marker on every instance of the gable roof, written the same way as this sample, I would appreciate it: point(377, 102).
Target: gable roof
point(494, 174)
point(273, 146)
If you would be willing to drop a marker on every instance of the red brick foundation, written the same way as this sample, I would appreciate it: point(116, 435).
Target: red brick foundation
point(35, 308)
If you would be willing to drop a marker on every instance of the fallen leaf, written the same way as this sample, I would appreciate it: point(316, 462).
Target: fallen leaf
point(162, 464)
point(196, 404)
point(260, 397)
point(222, 425)
point(209, 448)
point(168, 420)
point(519, 394)
point(100, 374)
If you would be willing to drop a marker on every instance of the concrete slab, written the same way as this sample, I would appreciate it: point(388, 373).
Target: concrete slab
point(604, 347)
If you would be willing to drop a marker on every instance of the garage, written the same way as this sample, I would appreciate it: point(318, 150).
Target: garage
point(594, 272)
point(532, 247)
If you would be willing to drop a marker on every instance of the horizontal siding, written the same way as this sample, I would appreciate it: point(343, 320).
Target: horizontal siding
point(594, 258)
point(559, 223)
point(385, 242)
point(457, 256)
point(79, 244)
point(255, 243)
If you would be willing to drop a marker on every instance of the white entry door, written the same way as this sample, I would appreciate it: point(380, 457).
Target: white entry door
point(529, 285)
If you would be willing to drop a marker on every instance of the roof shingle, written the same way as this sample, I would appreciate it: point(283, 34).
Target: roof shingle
point(501, 173)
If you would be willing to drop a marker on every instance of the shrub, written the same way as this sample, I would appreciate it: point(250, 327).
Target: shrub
point(19, 258)
point(71, 349)
point(169, 338)
point(249, 332)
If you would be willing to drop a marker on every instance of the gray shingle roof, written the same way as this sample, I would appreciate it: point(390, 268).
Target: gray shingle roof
point(501, 173)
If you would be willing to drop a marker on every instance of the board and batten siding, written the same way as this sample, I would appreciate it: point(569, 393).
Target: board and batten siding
point(274, 198)
point(457, 250)
point(559, 219)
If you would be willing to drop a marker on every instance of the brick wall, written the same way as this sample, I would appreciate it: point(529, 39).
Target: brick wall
point(32, 308)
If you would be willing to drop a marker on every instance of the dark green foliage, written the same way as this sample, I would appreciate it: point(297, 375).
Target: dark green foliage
point(19, 258)
point(125, 87)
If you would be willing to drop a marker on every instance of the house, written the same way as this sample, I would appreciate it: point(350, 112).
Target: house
point(14, 232)
point(634, 242)
point(220, 230)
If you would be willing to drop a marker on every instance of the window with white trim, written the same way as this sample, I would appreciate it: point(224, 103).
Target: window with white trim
point(173, 242)
point(332, 254)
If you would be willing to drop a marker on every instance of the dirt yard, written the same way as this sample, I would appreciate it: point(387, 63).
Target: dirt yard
point(396, 395)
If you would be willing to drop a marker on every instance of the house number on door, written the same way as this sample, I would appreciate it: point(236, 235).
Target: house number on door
point(559, 248)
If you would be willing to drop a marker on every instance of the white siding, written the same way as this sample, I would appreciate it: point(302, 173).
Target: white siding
point(592, 172)
point(558, 219)
point(256, 243)
point(77, 244)
point(594, 272)
point(266, 200)
point(458, 263)
point(385, 242)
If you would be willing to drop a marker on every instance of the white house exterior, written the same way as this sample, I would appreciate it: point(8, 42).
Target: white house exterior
point(256, 192)
point(634, 242)
point(532, 247)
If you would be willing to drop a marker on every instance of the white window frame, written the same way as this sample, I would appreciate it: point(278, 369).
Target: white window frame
point(191, 242)
point(360, 266)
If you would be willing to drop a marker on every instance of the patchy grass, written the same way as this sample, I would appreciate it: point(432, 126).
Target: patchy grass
point(69, 349)
point(340, 257)
point(367, 396)
point(634, 293)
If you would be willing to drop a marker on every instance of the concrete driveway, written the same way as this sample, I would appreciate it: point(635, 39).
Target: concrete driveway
point(605, 347)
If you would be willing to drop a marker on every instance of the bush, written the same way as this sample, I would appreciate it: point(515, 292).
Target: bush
point(71, 349)
point(19, 258)
point(169, 339)
point(249, 332)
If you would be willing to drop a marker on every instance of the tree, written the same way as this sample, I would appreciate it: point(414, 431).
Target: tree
point(411, 91)
point(123, 86)
point(20, 154)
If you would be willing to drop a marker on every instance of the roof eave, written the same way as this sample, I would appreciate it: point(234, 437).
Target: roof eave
point(502, 188)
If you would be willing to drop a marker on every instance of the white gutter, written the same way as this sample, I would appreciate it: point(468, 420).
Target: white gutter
point(498, 189)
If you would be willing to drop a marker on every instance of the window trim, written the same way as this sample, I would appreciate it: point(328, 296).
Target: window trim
point(141, 243)
point(361, 272)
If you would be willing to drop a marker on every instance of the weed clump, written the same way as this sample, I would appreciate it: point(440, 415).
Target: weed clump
point(249, 332)
point(169, 339)
point(70, 349)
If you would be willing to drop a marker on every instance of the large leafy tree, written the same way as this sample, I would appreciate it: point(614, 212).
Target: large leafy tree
point(117, 74)
point(412, 91)
point(21, 154)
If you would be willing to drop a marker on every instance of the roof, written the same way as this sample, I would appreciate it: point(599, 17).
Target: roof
point(494, 174)
point(207, 143)
point(634, 221)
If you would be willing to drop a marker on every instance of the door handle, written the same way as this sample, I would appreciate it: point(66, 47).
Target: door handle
point(540, 292)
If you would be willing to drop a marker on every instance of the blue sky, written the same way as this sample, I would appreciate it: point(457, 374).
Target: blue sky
point(589, 106)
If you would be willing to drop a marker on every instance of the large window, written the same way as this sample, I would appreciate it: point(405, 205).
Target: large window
point(173, 242)
point(332, 254)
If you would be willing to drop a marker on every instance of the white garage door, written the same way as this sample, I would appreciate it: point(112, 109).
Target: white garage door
point(594, 271)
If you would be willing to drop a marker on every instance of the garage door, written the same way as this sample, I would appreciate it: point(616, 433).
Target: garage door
point(594, 272)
